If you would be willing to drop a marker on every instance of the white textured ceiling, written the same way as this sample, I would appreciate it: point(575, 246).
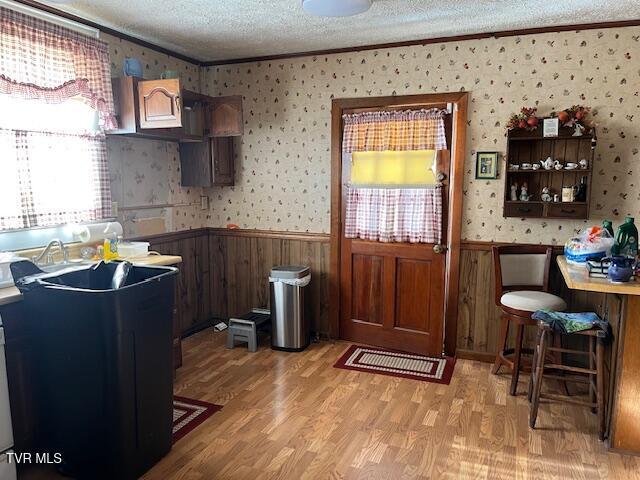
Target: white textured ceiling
point(230, 29)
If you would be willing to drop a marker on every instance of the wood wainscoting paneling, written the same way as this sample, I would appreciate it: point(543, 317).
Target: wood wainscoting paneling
point(241, 261)
point(192, 298)
point(478, 316)
point(225, 272)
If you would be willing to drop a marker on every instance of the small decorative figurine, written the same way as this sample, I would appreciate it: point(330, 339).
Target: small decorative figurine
point(583, 163)
point(514, 192)
point(546, 196)
point(557, 165)
point(578, 130)
point(524, 196)
point(547, 164)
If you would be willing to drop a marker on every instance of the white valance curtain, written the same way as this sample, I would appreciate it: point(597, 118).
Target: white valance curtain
point(394, 214)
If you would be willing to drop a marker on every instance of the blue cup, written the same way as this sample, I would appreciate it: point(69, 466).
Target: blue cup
point(132, 67)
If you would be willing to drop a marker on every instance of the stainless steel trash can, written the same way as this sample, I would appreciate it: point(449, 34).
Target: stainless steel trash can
point(290, 329)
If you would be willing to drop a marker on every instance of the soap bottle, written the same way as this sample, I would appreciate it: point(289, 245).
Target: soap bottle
point(626, 240)
point(111, 248)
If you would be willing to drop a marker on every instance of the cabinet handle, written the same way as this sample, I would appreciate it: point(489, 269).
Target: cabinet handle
point(524, 210)
point(573, 210)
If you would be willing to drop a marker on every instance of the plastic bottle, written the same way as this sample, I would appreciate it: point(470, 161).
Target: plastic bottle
point(111, 248)
point(608, 226)
point(626, 240)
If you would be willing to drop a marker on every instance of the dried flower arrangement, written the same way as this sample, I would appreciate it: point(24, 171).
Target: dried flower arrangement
point(525, 120)
point(573, 117)
point(577, 114)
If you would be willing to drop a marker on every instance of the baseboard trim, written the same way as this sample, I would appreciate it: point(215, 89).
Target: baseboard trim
point(485, 357)
point(198, 327)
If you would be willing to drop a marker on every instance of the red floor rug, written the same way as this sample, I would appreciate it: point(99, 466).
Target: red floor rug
point(188, 414)
point(397, 364)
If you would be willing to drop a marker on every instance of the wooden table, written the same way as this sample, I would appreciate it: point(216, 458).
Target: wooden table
point(624, 398)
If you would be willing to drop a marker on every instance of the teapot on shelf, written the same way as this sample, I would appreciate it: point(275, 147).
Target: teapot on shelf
point(547, 164)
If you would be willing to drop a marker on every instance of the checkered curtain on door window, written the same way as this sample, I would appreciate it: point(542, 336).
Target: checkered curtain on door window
point(44, 61)
point(395, 130)
point(392, 213)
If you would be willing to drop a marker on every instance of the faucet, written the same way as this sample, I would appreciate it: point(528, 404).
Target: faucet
point(48, 256)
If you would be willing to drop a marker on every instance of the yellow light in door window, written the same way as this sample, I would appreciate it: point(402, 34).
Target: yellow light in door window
point(411, 167)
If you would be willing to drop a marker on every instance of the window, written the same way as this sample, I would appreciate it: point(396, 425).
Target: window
point(55, 101)
point(404, 167)
point(53, 164)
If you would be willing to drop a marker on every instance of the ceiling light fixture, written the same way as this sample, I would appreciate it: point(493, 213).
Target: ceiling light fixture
point(335, 8)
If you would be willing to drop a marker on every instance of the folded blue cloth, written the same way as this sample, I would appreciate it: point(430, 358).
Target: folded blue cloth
point(570, 322)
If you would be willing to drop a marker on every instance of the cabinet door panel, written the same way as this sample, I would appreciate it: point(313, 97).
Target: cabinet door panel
point(226, 116)
point(160, 103)
point(195, 164)
point(223, 161)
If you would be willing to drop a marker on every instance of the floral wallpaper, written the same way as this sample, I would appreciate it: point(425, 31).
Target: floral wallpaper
point(153, 62)
point(283, 164)
point(145, 172)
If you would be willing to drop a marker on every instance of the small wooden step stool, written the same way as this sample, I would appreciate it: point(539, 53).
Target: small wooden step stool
point(245, 328)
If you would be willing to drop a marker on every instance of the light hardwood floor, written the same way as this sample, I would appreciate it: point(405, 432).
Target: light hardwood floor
point(294, 416)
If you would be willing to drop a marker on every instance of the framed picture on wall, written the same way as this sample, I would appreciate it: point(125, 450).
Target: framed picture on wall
point(487, 165)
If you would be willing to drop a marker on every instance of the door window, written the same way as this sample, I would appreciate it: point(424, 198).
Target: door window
point(409, 167)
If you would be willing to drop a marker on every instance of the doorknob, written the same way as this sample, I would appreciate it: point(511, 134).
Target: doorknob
point(437, 248)
point(441, 176)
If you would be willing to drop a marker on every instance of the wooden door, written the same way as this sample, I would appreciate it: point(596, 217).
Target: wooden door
point(226, 118)
point(392, 294)
point(160, 103)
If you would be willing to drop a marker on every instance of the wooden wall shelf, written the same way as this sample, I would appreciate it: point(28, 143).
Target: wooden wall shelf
point(531, 147)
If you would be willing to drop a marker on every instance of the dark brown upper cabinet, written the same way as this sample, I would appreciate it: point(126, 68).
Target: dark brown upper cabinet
point(158, 109)
point(209, 163)
point(160, 103)
point(225, 116)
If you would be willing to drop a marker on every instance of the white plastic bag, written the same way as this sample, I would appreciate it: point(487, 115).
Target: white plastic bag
point(296, 282)
point(593, 243)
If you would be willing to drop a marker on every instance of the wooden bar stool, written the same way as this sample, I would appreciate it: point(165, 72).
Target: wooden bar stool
point(522, 285)
point(593, 375)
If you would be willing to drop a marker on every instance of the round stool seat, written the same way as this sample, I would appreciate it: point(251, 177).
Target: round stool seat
point(532, 300)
